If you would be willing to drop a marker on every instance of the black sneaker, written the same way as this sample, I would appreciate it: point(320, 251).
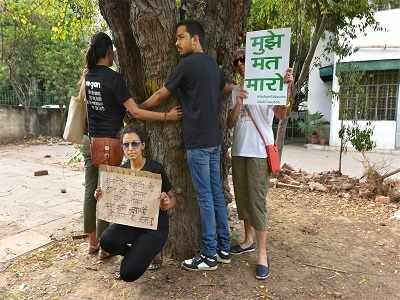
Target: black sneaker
point(223, 257)
point(200, 263)
point(237, 249)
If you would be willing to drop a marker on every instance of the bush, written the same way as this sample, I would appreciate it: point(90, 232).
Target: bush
point(311, 124)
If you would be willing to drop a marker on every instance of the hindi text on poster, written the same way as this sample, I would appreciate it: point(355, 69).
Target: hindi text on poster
point(267, 58)
point(129, 197)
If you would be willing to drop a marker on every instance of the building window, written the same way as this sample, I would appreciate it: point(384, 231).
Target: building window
point(377, 102)
point(387, 4)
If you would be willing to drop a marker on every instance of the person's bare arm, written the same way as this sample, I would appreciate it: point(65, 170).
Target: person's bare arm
point(282, 111)
point(234, 113)
point(174, 114)
point(156, 99)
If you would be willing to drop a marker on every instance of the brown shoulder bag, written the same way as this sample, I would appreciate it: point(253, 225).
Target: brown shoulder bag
point(106, 151)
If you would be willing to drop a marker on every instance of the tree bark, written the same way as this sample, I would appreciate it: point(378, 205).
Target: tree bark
point(144, 33)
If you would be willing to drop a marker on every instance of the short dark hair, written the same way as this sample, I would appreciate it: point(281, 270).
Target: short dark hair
point(133, 128)
point(193, 28)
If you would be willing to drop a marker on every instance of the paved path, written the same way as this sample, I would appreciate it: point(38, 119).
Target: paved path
point(33, 210)
point(312, 160)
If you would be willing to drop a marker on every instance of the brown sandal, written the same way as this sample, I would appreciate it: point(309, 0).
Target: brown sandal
point(154, 266)
point(157, 262)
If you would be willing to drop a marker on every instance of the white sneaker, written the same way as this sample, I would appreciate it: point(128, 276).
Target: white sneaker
point(223, 257)
point(200, 263)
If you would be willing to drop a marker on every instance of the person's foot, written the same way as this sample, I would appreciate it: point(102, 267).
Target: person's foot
point(103, 254)
point(93, 242)
point(200, 263)
point(241, 249)
point(154, 266)
point(262, 267)
point(262, 272)
point(223, 257)
point(263, 261)
point(92, 249)
point(156, 263)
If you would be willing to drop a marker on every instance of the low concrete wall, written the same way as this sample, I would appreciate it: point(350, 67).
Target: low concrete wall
point(42, 121)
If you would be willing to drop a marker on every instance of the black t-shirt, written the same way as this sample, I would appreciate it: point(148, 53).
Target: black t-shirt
point(106, 91)
point(166, 186)
point(197, 82)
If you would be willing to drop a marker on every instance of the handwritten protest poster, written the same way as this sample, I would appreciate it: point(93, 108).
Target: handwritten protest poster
point(129, 197)
point(267, 58)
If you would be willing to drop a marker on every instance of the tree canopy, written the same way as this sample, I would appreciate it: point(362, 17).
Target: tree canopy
point(338, 22)
point(43, 43)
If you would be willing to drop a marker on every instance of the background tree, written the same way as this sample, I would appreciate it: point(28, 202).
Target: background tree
point(351, 90)
point(353, 106)
point(312, 21)
point(42, 47)
point(144, 33)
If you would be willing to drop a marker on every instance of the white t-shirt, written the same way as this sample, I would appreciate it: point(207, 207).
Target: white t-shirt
point(246, 139)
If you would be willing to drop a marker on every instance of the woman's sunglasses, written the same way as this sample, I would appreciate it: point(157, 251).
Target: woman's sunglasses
point(236, 60)
point(134, 144)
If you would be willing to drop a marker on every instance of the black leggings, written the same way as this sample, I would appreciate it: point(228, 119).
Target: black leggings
point(145, 244)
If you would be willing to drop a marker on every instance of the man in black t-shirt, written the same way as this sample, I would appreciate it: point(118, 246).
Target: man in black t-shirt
point(198, 83)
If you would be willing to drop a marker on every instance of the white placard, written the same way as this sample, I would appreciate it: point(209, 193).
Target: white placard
point(267, 58)
point(129, 197)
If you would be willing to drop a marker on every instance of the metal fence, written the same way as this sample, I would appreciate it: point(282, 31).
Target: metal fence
point(293, 132)
point(378, 102)
point(39, 99)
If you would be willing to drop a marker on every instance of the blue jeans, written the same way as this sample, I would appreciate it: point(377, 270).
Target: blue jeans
point(204, 166)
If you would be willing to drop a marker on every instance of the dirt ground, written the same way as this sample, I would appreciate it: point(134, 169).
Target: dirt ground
point(321, 247)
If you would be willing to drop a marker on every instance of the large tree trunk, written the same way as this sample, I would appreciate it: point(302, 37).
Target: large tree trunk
point(144, 33)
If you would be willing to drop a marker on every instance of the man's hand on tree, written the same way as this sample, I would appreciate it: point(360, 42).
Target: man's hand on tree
point(175, 114)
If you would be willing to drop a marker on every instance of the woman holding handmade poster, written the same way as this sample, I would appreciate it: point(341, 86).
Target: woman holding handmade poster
point(138, 246)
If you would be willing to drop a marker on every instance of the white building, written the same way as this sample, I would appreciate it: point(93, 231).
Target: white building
point(378, 56)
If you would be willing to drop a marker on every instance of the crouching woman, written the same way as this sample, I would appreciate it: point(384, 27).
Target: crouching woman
point(138, 246)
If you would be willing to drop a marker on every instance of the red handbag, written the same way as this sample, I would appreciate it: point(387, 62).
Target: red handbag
point(273, 159)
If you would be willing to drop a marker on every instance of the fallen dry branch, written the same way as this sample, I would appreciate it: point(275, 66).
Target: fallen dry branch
point(281, 184)
point(372, 184)
point(338, 270)
point(325, 268)
point(4, 266)
point(391, 173)
point(79, 236)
